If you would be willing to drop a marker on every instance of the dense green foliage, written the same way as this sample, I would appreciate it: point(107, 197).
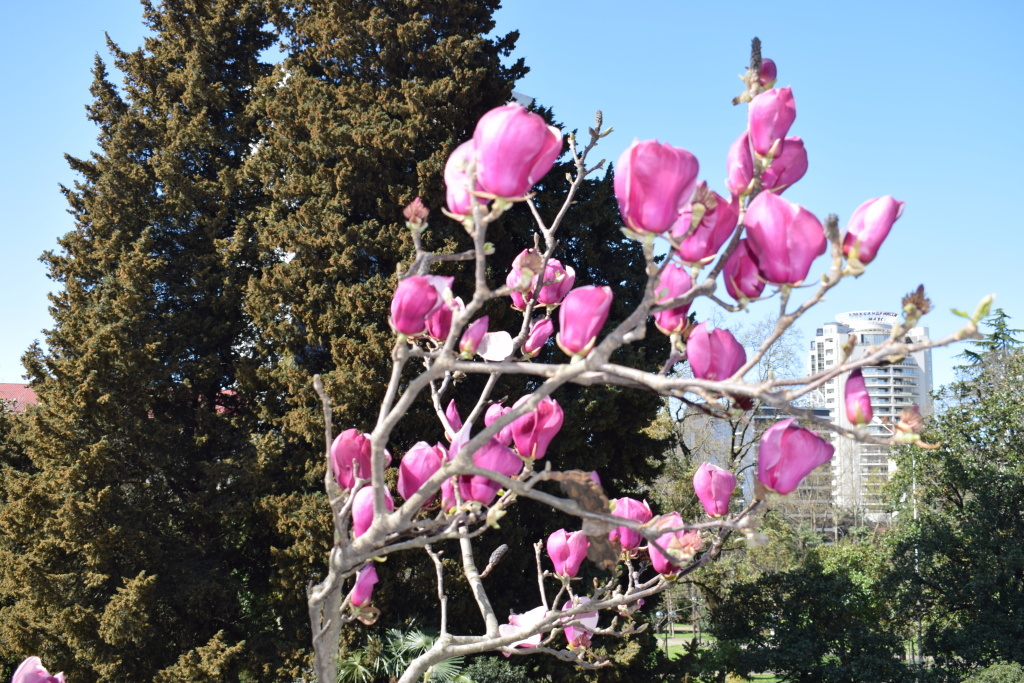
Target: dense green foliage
point(237, 231)
point(127, 550)
point(959, 562)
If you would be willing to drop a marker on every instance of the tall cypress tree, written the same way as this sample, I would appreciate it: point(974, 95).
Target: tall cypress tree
point(360, 119)
point(129, 539)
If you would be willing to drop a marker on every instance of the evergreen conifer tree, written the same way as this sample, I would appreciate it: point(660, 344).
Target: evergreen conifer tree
point(129, 547)
point(359, 120)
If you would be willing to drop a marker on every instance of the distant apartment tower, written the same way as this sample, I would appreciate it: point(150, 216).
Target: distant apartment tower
point(860, 470)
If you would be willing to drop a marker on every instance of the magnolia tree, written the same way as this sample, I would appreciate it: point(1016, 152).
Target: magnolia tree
point(753, 241)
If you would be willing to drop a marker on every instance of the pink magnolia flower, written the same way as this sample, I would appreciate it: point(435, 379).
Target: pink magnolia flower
point(580, 636)
point(785, 237)
point(439, 323)
point(350, 457)
point(32, 671)
point(472, 336)
point(539, 334)
point(714, 355)
point(534, 431)
point(714, 486)
point(492, 456)
point(416, 298)
point(743, 279)
point(417, 465)
point(515, 148)
point(770, 115)
point(653, 182)
point(567, 551)
point(681, 546)
point(674, 281)
point(869, 226)
point(451, 413)
point(557, 280)
point(458, 180)
point(716, 220)
point(787, 454)
point(362, 591)
point(522, 624)
point(787, 168)
point(495, 412)
point(581, 317)
point(739, 165)
point(362, 509)
point(632, 509)
point(857, 400)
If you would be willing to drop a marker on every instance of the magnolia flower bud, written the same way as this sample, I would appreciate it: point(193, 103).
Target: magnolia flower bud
point(857, 400)
point(581, 317)
point(534, 431)
point(869, 226)
point(681, 546)
point(787, 454)
point(739, 164)
point(787, 168)
point(472, 336)
point(567, 551)
point(459, 182)
point(785, 237)
point(362, 591)
point(416, 298)
point(418, 465)
point(515, 148)
point(32, 671)
point(580, 636)
point(635, 510)
point(495, 412)
point(350, 457)
point(714, 486)
point(715, 222)
point(770, 115)
point(674, 281)
point(743, 279)
point(538, 337)
point(714, 355)
point(768, 74)
point(362, 509)
point(653, 182)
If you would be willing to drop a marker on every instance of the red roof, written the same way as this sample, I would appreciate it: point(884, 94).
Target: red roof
point(19, 395)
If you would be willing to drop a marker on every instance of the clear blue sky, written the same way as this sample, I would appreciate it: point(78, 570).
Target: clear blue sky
point(919, 100)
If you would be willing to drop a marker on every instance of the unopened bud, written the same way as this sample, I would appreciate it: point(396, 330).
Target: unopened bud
point(416, 214)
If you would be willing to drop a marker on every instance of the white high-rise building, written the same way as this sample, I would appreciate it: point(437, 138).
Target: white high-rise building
point(860, 470)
